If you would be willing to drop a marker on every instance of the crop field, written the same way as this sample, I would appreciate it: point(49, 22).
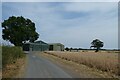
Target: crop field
point(103, 61)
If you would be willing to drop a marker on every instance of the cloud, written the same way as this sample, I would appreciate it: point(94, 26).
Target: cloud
point(90, 7)
point(73, 24)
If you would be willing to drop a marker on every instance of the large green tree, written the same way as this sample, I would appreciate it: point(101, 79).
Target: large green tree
point(19, 30)
point(97, 44)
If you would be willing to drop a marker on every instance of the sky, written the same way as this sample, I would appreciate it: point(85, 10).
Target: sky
point(74, 24)
point(60, 0)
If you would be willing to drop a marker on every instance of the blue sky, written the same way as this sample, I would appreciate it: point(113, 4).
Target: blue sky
point(75, 24)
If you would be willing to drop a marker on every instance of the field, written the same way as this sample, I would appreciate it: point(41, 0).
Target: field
point(104, 61)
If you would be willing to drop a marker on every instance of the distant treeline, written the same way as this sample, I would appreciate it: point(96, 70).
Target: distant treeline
point(68, 49)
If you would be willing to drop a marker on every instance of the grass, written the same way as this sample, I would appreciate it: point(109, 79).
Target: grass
point(11, 56)
point(107, 62)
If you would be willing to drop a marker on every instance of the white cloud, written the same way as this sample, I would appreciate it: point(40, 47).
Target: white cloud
point(90, 6)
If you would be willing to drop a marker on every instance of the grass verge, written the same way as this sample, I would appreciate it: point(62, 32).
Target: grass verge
point(12, 60)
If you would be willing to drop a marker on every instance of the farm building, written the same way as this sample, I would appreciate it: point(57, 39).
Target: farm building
point(36, 46)
point(56, 47)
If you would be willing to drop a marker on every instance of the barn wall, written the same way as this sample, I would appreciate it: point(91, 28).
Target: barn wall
point(40, 47)
point(57, 47)
point(36, 47)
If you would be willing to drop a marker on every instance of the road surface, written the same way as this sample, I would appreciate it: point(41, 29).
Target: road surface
point(40, 67)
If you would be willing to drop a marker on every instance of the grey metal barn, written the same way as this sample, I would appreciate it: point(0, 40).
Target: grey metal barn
point(56, 47)
point(36, 46)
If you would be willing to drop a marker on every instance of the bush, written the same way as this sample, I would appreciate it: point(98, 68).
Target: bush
point(11, 54)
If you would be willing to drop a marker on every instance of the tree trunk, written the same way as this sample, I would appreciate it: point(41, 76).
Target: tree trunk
point(97, 50)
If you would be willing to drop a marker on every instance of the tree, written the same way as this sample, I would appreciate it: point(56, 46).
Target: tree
point(67, 49)
point(19, 30)
point(97, 44)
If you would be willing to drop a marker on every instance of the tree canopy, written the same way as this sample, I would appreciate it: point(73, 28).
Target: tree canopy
point(97, 44)
point(19, 30)
point(67, 49)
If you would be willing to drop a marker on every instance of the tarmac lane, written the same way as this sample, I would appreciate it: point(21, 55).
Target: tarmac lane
point(40, 67)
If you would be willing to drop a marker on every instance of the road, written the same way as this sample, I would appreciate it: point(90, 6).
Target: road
point(40, 67)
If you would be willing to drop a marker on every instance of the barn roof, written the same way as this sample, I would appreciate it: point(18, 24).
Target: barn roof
point(40, 42)
point(55, 44)
point(36, 42)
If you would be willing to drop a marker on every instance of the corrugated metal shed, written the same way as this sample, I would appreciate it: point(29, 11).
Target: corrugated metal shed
point(56, 47)
point(36, 46)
